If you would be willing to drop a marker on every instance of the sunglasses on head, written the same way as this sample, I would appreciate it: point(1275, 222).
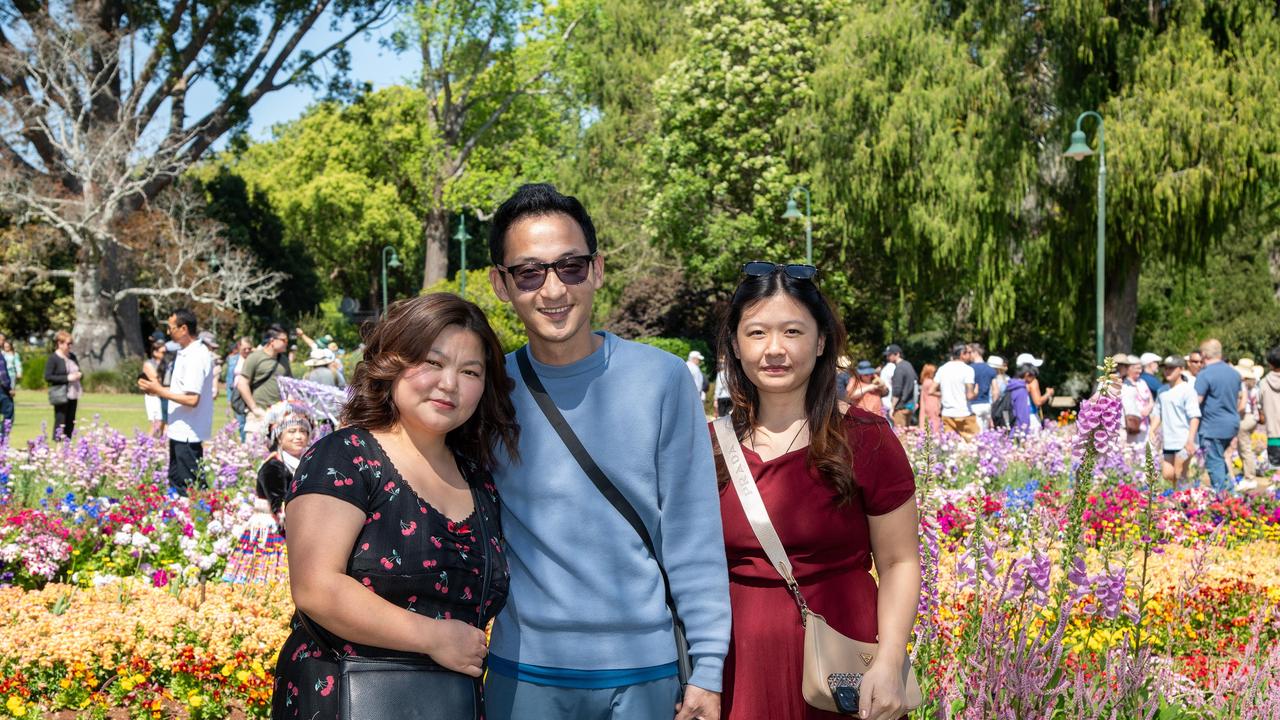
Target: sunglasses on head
point(760, 268)
point(529, 277)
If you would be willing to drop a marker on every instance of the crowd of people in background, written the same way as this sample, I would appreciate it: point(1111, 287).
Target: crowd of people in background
point(968, 394)
point(1193, 410)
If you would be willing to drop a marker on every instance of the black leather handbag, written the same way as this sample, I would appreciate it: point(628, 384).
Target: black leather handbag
point(402, 688)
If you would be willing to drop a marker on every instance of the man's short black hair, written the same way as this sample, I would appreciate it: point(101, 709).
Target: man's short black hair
point(957, 350)
point(184, 316)
point(1273, 357)
point(274, 330)
point(535, 200)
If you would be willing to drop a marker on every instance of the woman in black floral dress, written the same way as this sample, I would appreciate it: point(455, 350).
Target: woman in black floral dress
point(393, 523)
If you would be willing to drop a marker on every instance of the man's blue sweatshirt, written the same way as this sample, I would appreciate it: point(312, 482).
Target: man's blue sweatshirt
point(586, 598)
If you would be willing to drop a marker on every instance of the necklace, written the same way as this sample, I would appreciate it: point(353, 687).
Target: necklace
point(752, 438)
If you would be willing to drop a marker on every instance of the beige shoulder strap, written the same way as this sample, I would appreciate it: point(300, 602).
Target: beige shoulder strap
point(752, 504)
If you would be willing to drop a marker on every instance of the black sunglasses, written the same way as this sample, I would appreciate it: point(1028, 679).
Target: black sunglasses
point(760, 268)
point(529, 277)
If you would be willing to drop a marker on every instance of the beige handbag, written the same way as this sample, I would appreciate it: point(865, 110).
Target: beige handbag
point(826, 651)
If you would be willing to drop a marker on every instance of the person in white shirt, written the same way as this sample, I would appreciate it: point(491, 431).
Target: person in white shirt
point(1136, 397)
point(1175, 421)
point(886, 377)
point(190, 396)
point(956, 383)
point(694, 363)
point(724, 402)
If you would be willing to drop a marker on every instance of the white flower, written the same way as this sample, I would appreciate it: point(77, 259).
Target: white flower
point(215, 527)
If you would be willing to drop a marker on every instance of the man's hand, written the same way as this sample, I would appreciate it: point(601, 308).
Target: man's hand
point(698, 704)
point(258, 412)
point(149, 386)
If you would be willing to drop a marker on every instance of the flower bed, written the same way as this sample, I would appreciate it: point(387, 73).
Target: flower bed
point(1069, 585)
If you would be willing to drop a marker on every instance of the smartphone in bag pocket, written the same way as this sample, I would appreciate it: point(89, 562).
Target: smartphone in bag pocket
point(846, 689)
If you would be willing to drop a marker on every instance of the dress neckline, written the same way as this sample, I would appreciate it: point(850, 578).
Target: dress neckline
point(462, 468)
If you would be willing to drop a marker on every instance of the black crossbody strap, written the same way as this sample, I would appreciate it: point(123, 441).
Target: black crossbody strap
point(606, 488)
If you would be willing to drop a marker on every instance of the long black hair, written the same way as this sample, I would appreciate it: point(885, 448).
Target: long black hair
point(828, 445)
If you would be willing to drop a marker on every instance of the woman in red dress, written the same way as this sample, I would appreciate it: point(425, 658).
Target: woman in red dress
point(839, 490)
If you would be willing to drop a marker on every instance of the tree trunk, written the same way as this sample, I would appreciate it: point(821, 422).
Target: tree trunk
point(1121, 302)
point(435, 240)
point(104, 333)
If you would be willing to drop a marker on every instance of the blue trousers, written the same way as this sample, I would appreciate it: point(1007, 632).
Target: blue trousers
point(6, 411)
point(1215, 461)
point(507, 698)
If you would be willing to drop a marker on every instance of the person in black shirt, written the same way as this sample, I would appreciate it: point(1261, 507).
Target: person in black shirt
point(903, 386)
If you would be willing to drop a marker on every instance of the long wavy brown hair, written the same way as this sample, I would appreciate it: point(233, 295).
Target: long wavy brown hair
point(401, 340)
point(829, 450)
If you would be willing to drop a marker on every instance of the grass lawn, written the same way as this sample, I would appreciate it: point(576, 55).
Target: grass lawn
point(33, 414)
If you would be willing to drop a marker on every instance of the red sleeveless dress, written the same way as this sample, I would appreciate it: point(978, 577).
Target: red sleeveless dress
point(830, 551)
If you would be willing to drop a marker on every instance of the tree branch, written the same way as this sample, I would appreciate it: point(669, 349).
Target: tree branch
point(460, 162)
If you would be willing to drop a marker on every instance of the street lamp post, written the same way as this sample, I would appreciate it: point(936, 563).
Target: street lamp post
point(1080, 150)
point(395, 263)
point(462, 237)
point(793, 213)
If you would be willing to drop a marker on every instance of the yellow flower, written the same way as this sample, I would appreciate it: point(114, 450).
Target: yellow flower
point(226, 669)
point(195, 699)
point(242, 676)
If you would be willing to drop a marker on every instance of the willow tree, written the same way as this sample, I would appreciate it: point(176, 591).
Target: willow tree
point(936, 130)
point(914, 143)
point(104, 104)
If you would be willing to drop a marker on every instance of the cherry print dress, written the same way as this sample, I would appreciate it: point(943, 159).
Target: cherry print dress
point(830, 550)
point(408, 553)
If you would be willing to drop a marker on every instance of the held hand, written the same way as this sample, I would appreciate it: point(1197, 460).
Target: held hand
point(1191, 448)
point(259, 412)
point(883, 696)
point(698, 704)
point(73, 377)
point(457, 646)
point(148, 386)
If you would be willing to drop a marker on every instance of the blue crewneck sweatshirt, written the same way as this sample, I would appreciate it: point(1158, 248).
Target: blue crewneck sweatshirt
point(586, 598)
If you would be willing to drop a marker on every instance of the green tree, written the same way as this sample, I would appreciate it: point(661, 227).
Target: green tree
point(506, 325)
point(250, 223)
point(349, 179)
point(486, 76)
point(95, 123)
point(913, 145)
point(344, 180)
point(721, 163)
point(621, 48)
point(935, 132)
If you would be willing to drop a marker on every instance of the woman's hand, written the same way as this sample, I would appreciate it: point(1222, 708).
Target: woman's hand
point(882, 695)
point(457, 646)
point(75, 376)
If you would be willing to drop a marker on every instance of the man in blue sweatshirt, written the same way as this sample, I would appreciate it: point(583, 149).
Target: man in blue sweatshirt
point(586, 632)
